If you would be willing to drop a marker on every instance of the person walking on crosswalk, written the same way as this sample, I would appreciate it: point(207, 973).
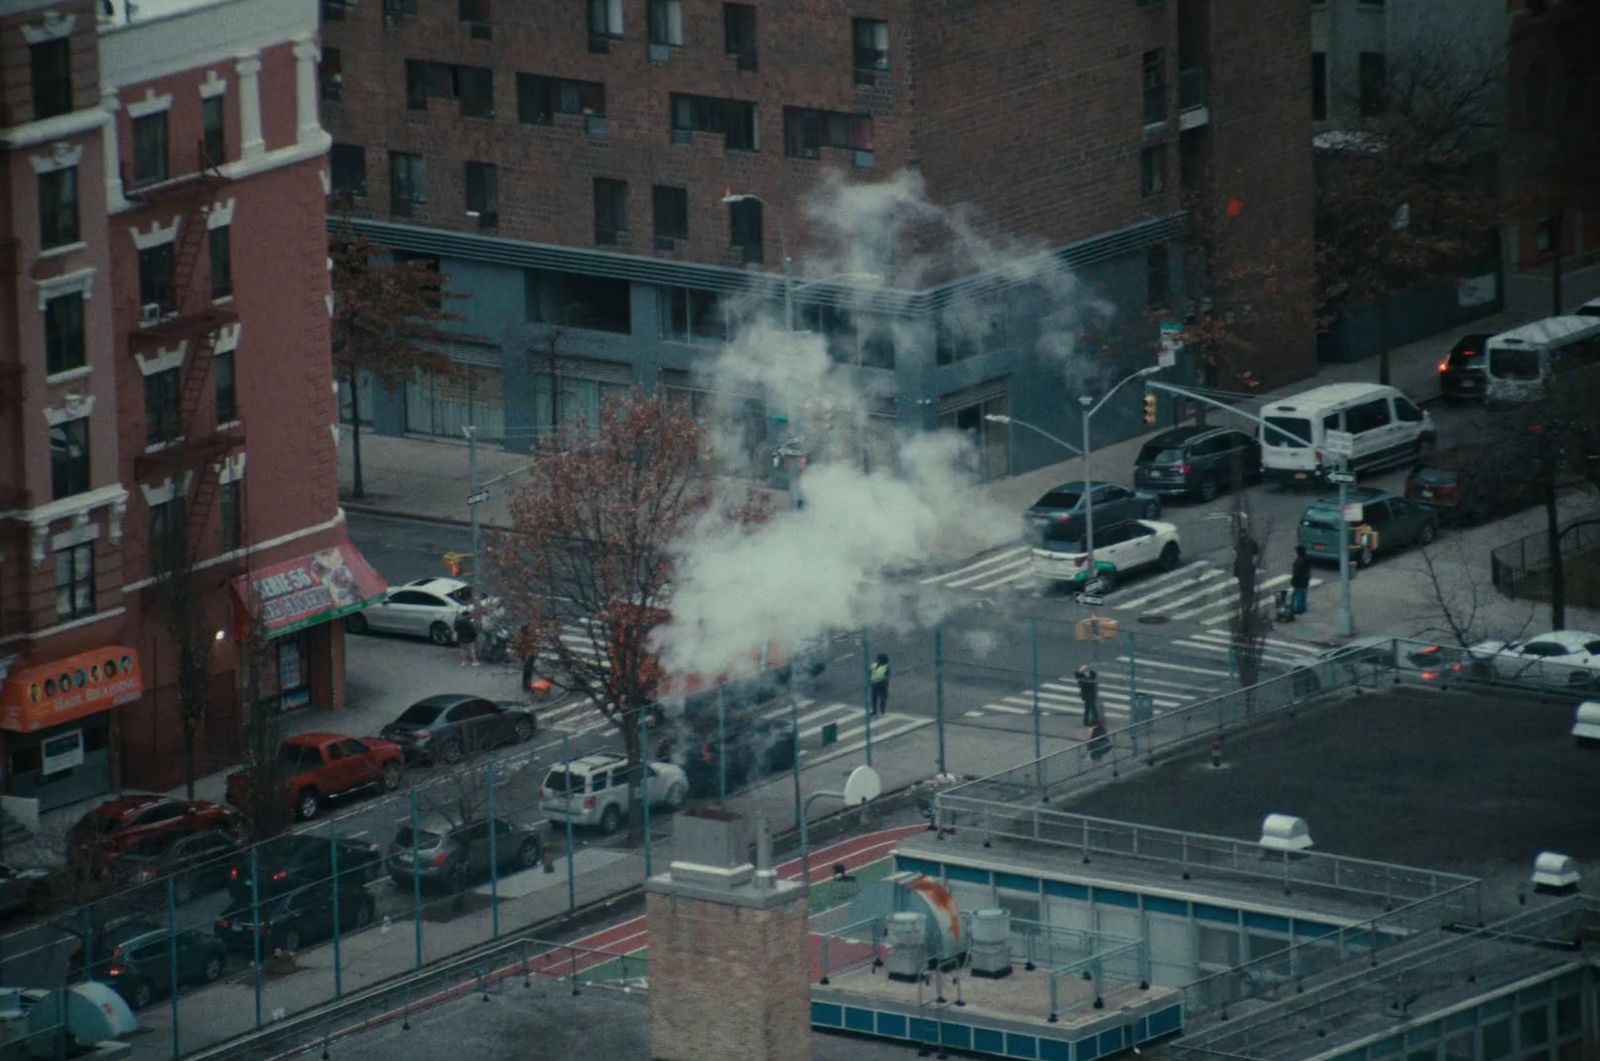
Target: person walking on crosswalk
point(879, 676)
point(1089, 690)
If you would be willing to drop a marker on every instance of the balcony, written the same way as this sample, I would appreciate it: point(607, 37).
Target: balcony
point(1193, 107)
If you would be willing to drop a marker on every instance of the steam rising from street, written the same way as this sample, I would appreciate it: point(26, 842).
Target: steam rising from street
point(878, 498)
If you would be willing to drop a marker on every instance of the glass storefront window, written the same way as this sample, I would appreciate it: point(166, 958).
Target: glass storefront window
point(444, 407)
point(991, 439)
point(1534, 1027)
point(1496, 1040)
point(1569, 1015)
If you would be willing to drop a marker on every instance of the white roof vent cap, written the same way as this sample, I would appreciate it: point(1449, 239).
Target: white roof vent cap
point(1586, 723)
point(1284, 832)
point(1553, 872)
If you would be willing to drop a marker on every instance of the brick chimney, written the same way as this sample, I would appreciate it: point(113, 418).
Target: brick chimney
point(730, 964)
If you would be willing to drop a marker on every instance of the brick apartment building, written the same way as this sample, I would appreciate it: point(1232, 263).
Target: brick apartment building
point(566, 162)
point(164, 370)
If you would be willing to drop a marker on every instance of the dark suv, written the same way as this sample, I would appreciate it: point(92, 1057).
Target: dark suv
point(1461, 370)
point(289, 922)
point(1197, 461)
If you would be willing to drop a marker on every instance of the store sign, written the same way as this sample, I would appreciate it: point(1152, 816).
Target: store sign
point(48, 694)
point(312, 589)
point(62, 752)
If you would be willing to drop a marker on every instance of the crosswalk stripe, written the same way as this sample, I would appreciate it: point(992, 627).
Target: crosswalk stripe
point(1263, 594)
point(1176, 577)
point(1025, 573)
point(1206, 646)
point(1026, 697)
point(1007, 709)
point(1290, 646)
point(1225, 617)
point(1160, 683)
point(1113, 694)
point(1178, 666)
point(985, 562)
point(1009, 566)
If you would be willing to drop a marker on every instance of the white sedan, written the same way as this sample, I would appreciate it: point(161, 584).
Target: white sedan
point(1119, 550)
point(1559, 658)
point(426, 607)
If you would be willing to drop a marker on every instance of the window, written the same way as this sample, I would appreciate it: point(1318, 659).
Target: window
point(472, 86)
point(670, 212)
point(1373, 78)
point(155, 278)
point(1158, 276)
point(599, 303)
point(871, 51)
point(51, 62)
point(425, 81)
point(1154, 67)
point(69, 458)
point(231, 515)
point(1367, 416)
point(221, 263)
point(538, 98)
point(610, 211)
point(166, 528)
point(744, 225)
point(807, 132)
point(348, 169)
point(58, 207)
point(739, 34)
point(223, 382)
point(333, 10)
point(1153, 170)
point(161, 406)
point(75, 581)
point(1319, 86)
point(605, 24)
point(483, 193)
point(666, 23)
point(733, 120)
point(408, 183)
point(476, 11)
point(690, 315)
point(331, 73)
point(1404, 410)
point(432, 278)
point(63, 333)
point(213, 129)
point(150, 148)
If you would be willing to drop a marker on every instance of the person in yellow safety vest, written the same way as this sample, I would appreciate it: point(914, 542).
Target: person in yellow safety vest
point(879, 677)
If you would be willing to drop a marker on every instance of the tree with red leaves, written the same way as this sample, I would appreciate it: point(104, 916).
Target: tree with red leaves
point(589, 549)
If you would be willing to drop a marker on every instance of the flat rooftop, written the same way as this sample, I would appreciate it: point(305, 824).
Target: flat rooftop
point(1460, 782)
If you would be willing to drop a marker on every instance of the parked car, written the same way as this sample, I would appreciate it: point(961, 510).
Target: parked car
point(317, 767)
point(423, 607)
point(1461, 371)
point(298, 859)
point(442, 728)
point(20, 887)
point(1561, 658)
point(1197, 462)
point(449, 856)
point(1395, 522)
point(135, 958)
point(1119, 551)
point(198, 863)
point(294, 919)
point(1469, 484)
point(1060, 515)
point(593, 790)
point(1374, 658)
point(116, 826)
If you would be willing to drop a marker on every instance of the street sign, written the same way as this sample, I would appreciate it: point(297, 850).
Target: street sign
point(1338, 444)
point(1089, 599)
point(478, 497)
point(1341, 477)
point(1171, 341)
point(1353, 512)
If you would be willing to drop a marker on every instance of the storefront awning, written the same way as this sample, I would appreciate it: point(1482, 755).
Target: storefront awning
point(51, 693)
point(311, 589)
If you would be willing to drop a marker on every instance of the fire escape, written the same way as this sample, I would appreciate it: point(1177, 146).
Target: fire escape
point(196, 442)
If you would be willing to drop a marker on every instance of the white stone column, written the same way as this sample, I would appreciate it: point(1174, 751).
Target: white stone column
point(109, 145)
point(307, 54)
point(251, 145)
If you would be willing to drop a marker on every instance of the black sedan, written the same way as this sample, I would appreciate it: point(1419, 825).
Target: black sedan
point(288, 862)
point(291, 921)
point(1461, 372)
point(1061, 514)
point(443, 728)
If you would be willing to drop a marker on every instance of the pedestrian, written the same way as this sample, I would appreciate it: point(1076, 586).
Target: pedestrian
point(1099, 742)
point(1299, 580)
point(879, 677)
point(466, 631)
point(1089, 690)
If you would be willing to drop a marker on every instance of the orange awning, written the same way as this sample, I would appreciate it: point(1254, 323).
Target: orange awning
point(51, 693)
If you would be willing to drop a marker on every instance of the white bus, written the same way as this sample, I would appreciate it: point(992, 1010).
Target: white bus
point(1387, 429)
point(1523, 361)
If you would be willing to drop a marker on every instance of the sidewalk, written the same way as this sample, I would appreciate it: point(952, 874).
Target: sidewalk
point(426, 478)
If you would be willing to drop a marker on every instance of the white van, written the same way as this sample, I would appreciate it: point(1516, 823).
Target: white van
point(1388, 429)
point(1524, 360)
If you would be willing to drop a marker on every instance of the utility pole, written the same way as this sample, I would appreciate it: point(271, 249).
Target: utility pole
point(475, 496)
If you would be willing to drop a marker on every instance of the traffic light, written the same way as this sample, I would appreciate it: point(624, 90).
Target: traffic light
point(1150, 409)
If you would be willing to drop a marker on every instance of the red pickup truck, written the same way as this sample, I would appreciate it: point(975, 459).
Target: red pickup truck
point(317, 767)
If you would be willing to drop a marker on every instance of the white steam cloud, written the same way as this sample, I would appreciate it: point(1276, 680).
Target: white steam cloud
point(878, 499)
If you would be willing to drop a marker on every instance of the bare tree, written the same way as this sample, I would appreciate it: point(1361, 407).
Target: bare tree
point(1251, 621)
point(265, 811)
point(1461, 596)
point(181, 591)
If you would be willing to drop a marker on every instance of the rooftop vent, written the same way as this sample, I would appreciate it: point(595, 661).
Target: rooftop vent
point(991, 943)
point(1284, 832)
point(908, 946)
point(1554, 874)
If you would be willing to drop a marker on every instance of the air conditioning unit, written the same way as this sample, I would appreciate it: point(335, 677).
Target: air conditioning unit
point(150, 313)
point(660, 53)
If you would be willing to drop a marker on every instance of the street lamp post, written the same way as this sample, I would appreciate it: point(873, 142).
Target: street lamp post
point(1090, 407)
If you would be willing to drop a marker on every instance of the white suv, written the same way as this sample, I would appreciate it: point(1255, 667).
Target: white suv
point(1119, 550)
point(593, 790)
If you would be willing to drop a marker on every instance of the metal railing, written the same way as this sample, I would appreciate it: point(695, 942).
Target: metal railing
point(1531, 553)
